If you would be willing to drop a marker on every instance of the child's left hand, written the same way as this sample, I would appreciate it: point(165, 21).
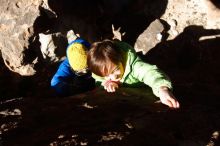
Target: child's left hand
point(167, 97)
point(110, 86)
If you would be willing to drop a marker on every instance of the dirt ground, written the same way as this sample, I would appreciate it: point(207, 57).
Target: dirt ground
point(129, 117)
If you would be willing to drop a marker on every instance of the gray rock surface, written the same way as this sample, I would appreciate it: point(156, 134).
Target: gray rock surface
point(17, 19)
point(180, 14)
point(150, 37)
point(30, 113)
point(52, 47)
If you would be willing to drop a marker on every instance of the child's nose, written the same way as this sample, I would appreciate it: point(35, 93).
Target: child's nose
point(112, 77)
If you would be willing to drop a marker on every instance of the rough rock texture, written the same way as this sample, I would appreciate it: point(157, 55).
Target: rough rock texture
point(180, 14)
point(22, 21)
point(150, 37)
point(187, 50)
point(52, 47)
point(17, 19)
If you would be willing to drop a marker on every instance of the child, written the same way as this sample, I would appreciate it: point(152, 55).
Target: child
point(73, 76)
point(115, 62)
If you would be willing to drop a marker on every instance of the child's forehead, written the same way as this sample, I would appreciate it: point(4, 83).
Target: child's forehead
point(112, 65)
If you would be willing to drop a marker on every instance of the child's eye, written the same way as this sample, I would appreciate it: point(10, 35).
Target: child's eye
point(116, 69)
point(117, 76)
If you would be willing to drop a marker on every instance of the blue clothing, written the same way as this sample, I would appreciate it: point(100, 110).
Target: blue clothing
point(66, 82)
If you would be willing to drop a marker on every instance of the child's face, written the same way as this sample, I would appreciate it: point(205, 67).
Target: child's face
point(116, 73)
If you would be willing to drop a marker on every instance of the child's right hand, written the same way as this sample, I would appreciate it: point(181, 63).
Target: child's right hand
point(110, 86)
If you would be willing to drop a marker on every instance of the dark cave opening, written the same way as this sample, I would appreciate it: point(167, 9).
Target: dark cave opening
point(93, 19)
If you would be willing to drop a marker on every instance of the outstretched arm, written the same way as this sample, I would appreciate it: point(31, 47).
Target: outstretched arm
point(157, 80)
point(167, 97)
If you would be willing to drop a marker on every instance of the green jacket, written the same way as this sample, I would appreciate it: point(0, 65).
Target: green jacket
point(137, 71)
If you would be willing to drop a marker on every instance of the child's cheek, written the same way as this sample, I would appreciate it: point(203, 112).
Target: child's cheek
point(121, 70)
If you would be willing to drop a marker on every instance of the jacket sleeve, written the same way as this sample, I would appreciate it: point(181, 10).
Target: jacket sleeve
point(150, 75)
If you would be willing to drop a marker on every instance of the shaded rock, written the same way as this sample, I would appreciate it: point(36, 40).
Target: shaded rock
point(150, 37)
point(191, 12)
point(213, 13)
point(53, 46)
point(16, 28)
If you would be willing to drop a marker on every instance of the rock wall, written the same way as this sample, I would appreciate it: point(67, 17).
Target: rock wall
point(16, 27)
point(180, 14)
point(23, 23)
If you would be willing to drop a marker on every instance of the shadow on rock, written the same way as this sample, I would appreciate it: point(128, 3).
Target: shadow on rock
point(191, 60)
point(93, 19)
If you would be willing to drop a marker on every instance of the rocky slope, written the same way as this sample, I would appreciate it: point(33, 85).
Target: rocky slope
point(180, 36)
